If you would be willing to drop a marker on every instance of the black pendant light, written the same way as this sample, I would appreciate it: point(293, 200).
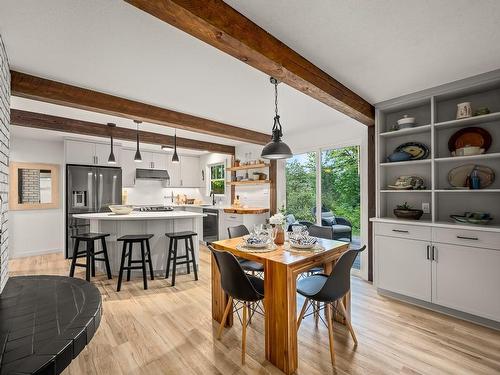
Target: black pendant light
point(175, 157)
point(111, 158)
point(276, 149)
point(137, 157)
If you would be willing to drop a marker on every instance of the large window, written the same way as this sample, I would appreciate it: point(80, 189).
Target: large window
point(217, 178)
point(301, 186)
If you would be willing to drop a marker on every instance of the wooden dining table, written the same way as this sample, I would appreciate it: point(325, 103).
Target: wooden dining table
point(281, 269)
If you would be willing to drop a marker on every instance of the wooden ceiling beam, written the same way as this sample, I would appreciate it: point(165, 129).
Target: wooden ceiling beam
point(72, 126)
point(32, 87)
point(221, 26)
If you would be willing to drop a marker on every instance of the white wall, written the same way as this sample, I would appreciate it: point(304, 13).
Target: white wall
point(148, 192)
point(35, 232)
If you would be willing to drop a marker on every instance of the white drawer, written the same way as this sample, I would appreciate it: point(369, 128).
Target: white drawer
point(415, 232)
point(467, 237)
point(233, 219)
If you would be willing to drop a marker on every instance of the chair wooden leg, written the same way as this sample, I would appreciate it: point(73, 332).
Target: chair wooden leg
point(341, 306)
point(224, 317)
point(329, 318)
point(244, 334)
point(316, 305)
point(302, 312)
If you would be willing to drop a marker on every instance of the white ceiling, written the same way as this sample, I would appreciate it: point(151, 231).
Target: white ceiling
point(386, 48)
point(110, 46)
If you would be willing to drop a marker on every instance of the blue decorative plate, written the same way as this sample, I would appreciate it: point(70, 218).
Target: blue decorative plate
point(417, 150)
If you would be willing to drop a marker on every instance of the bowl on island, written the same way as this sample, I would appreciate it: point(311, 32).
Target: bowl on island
point(121, 209)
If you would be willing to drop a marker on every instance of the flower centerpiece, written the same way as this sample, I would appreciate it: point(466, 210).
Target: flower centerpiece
point(277, 221)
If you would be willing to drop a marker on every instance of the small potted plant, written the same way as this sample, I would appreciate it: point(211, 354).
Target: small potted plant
point(405, 211)
point(236, 162)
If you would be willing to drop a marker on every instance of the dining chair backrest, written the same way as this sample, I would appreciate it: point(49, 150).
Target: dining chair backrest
point(339, 281)
point(237, 231)
point(234, 280)
point(321, 232)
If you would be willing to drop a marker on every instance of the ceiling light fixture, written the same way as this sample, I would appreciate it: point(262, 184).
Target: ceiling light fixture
point(137, 157)
point(276, 149)
point(111, 158)
point(175, 157)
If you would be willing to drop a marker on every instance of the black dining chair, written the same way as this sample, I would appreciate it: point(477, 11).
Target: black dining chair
point(329, 291)
point(245, 292)
point(248, 265)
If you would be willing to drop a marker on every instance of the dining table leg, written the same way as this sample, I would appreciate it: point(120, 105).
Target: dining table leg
point(281, 316)
point(219, 297)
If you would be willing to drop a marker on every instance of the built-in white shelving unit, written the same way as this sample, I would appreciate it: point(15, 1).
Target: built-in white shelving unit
point(435, 113)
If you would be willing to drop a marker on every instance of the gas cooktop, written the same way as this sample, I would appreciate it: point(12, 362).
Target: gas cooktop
point(155, 208)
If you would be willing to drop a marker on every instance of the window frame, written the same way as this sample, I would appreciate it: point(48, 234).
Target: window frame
point(223, 179)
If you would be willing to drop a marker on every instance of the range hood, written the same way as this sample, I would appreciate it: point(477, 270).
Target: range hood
point(152, 174)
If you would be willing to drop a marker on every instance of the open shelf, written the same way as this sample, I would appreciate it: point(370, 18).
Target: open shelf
point(467, 158)
point(252, 182)
point(403, 132)
point(409, 162)
point(250, 166)
point(476, 191)
point(406, 191)
point(468, 121)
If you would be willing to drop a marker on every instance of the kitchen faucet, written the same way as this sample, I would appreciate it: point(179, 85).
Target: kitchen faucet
point(212, 194)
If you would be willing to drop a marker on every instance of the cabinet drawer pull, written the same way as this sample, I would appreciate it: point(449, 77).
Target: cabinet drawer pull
point(468, 238)
point(400, 231)
point(434, 253)
point(428, 252)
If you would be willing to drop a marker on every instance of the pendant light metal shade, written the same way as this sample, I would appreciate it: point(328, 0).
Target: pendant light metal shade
point(276, 149)
point(137, 157)
point(111, 158)
point(175, 157)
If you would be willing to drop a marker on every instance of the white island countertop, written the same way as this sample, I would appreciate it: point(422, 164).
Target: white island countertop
point(165, 215)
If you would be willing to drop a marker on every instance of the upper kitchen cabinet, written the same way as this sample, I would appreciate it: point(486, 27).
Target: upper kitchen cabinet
point(89, 153)
point(190, 171)
point(128, 167)
point(174, 171)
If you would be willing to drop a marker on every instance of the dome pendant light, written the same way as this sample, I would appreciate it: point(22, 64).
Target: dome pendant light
point(111, 158)
point(175, 157)
point(137, 157)
point(276, 149)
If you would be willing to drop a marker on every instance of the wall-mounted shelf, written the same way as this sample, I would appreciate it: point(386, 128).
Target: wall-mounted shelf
point(409, 162)
point(245, 167)
point(468, 121)
point(403, 132)
point(436, 108)
point(253, 182)
point(467, 158)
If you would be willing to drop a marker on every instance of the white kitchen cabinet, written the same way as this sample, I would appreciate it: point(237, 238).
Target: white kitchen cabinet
point(89, 153)
point(79, 152)
point(403, 266)
point(190, 171)
point(174, 171)
point(454, 266)
point(128, 168)
point(227, 220)
point(159, 160)
point(467, 279)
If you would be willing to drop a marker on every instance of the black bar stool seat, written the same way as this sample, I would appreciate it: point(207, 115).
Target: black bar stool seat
point(89, 253)
point(128, 241)
point(174, 237)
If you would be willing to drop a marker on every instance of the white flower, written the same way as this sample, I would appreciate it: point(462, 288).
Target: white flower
point(278, 218)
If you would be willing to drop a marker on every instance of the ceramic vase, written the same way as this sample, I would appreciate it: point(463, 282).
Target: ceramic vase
point(280, 235)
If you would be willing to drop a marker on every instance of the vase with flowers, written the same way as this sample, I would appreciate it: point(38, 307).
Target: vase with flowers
point(278, 221)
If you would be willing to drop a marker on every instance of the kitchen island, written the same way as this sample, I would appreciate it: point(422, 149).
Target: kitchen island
point(156, 223)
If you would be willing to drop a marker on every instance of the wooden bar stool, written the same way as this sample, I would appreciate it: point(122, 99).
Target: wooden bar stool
point(128, 241)
point(89, 253)
point(187, 236)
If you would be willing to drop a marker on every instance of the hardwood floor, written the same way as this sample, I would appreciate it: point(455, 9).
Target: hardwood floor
point(169, 330)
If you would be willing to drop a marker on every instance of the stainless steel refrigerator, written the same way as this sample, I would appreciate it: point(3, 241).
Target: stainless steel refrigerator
point(89, 190)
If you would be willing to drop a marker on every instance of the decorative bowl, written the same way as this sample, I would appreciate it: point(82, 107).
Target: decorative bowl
point(478, 218)
point(255, 241)
point(399, 156)
point(411, 214)
point(301, 241)
point(121, 209)
point(406, 122)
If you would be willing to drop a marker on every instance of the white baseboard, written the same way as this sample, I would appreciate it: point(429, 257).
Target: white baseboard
point(25, 254)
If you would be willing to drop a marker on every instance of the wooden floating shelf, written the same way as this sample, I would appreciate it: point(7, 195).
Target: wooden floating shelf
point(250, 166)
point(470, 157)
point(468, 121)
point(409, 162)
point(253, 182)
point(415, 130)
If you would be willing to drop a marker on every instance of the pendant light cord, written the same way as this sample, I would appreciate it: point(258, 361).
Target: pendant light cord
point(276, 98)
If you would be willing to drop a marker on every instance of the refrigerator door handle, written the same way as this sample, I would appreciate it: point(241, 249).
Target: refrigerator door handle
point(100, 191)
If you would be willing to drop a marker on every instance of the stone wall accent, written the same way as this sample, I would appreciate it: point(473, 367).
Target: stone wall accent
point(4, 162)
point(29, 186)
